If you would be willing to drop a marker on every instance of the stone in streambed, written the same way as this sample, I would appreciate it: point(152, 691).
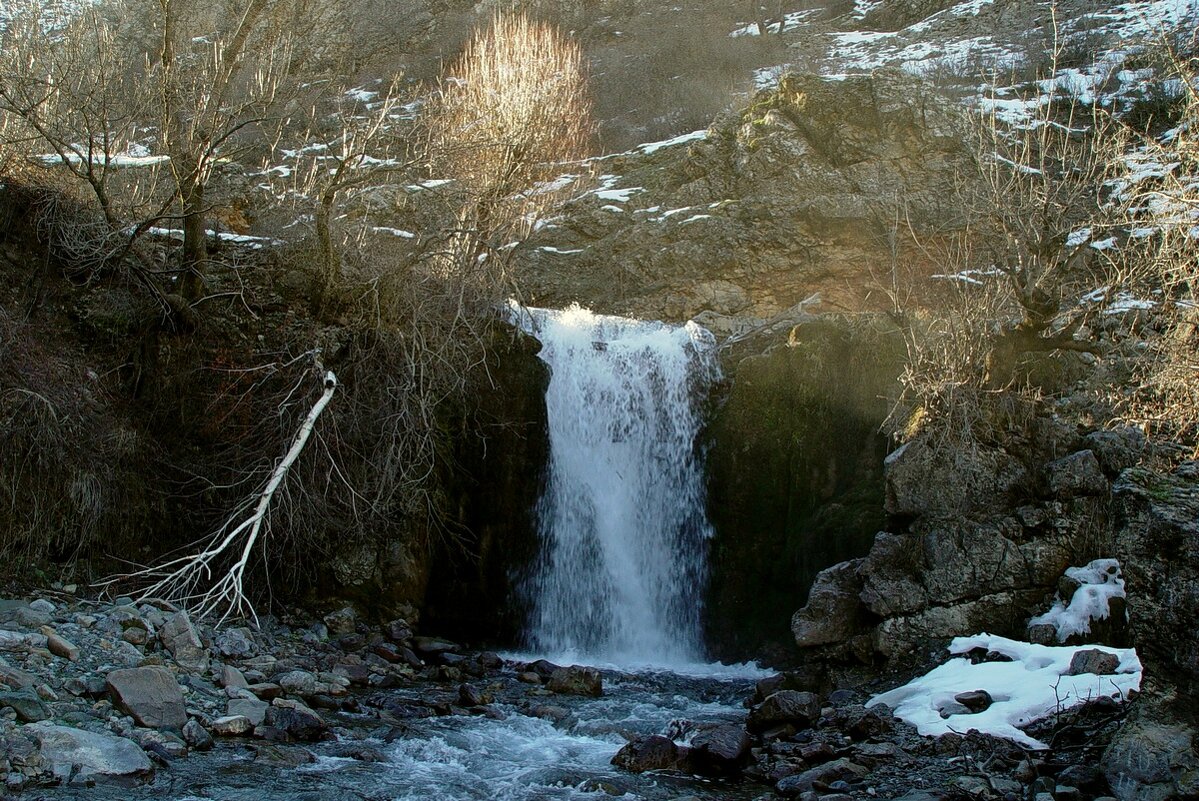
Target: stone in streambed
point(150, 694)
point(294, 721)
point(251, 708)
point(837, 770)
point(79, 756)
point(785, 707)
point(232, 726)
point(26, 704)
point(196, 736)
point(179, 636)
point(576, 680)
point(719, 750)
point(647, 753)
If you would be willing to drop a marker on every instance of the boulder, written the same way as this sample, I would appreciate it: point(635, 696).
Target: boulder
point(150, 694)
point(297, 682)
point(719, 750)
point(343, 621)
point(237, 643)
point(295, 722)
point(180, 638)
point(924, 479)
point(834, 611)
point(977, 700)
point(647, 753)
point(79, 756)
point(1152, 761)
point(799, 709)
point(62, 647)
point(196, 736)
point(1075, 475)
point(576, 680)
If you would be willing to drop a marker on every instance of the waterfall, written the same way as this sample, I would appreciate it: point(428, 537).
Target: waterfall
point(622, 520)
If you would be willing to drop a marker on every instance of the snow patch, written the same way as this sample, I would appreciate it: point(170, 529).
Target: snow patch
point(1030, 687)
point(1100, 581)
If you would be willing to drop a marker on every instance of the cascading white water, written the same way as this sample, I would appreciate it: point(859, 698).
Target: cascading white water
point(623, 524)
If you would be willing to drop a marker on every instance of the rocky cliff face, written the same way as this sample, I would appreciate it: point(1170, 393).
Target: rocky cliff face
point(796, 193)
point(977, 542)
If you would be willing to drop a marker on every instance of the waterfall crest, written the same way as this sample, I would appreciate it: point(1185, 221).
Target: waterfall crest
point(622, 520)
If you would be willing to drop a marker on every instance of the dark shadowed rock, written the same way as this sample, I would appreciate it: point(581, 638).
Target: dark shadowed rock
point(295, 721)
point(837, 770)
point(29, 708)
point(196, 736)
point(647, 753)
point(150, 694)
point(786, 707)
point(1075, 475)
point(1151, 761)
point(974, 700)
point(719, 750)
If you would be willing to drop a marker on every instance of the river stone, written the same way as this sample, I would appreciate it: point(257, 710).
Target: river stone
point(719, 750)
point(196, 736)
point(62, 647)
point(297, 682)
point(837, 770)
point(647, 753)
point(576, 680)
point(232, 726)
point(800, 709)
point(28, 706)
point(236, 643)
point(232, 677)
point(341, 622)
point(150, 694)
point(1092, 660)
point(82, 756)
point(294, 721)
point(251, 708)
point(180, 637)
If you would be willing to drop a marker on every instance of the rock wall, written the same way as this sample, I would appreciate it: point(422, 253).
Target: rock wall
point(978, 541)
point(795, 463)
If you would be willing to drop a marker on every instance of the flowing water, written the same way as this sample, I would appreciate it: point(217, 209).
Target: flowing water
point(623, 525)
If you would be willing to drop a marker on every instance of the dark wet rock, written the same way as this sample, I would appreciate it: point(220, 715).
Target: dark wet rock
point(837, 770)
point(862, 722)
point(16, 678)
point(719, 750)
point(266, 690)
point(91, 686)
point(180, 638)
point(576, 680)
point(341, 622)
point(196, 736)
point(1092, 660)
point(489, 660)
point(1075, 475)
point(529, 677)
point(150, 694)
point(398, 631)
point(786, 707)
point(648, 753)
point(472, 696)
point(295, 721)
point(352, 642)
point(554, 714)
point(27, 705)
point(433, 646)
point(974, 700)
point(78, 756)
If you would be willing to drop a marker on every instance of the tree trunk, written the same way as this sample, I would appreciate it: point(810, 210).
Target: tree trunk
point(195, 248)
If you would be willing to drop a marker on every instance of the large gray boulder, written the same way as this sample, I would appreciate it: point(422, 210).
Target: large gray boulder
point(1152, 761)
point(150, 694)
point(78, 756)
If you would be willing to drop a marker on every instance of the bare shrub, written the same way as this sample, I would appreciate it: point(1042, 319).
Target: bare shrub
point(510, 115)
point(1160, 192)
